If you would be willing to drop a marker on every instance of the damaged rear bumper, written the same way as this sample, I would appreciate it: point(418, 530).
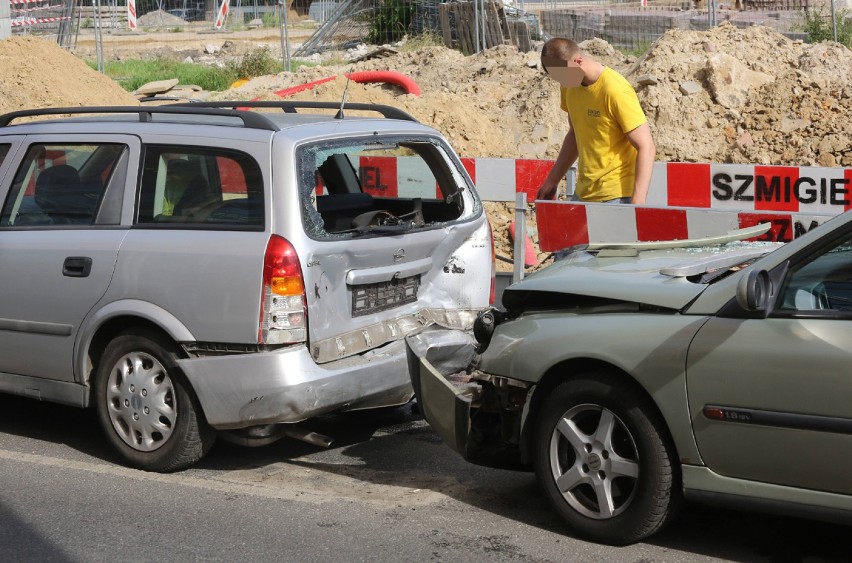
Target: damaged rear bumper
point(477, 414)
point(285, 386)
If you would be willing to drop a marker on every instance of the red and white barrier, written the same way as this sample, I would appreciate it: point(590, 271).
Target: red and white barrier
point(34, 21)
point(499, 179)
point(131, 15)
point(563, 224)
point(496, 179)
point(792, 189)
point(685, 200)
point(795, 189)
point(740, 187)
point(222, 14)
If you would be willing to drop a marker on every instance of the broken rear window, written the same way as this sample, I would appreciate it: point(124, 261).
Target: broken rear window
point(384, 185)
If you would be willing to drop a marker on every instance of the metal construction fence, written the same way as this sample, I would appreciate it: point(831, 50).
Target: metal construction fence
point(636, 25)
point(467, 25)
point(472, 25)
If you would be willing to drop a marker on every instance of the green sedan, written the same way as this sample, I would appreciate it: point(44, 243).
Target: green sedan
point(630, 379)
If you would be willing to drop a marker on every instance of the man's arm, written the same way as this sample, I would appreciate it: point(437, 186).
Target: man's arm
point(646, 151)
point(567, 155)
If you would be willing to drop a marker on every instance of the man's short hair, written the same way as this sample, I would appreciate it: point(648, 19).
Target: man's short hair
point(559, 48)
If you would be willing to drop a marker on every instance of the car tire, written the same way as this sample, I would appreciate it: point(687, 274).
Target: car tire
point(145, 406)
point(602, 456)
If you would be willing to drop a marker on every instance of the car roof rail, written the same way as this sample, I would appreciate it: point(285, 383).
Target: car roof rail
point(290, 106)
point(250, 119)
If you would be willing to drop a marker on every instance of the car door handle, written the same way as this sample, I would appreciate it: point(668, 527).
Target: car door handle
point(77, 266)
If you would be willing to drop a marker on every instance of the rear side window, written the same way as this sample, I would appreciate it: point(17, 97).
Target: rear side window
point(200, 187)
point(385, 186)
point(60, 184)
point(4, 150)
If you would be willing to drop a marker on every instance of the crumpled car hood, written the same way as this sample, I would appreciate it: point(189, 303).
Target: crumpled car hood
point(635, 279)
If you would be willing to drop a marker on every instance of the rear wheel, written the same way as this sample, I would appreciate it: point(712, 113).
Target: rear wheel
point(145, 407)
point(603, 459)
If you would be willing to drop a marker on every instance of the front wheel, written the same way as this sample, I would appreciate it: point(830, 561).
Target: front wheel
point(602, 457)
point(145, 407)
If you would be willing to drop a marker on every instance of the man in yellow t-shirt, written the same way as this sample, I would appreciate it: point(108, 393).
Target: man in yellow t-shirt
point(609, 132)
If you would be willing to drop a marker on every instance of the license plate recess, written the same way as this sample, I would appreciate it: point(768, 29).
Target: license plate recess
point(381, 296)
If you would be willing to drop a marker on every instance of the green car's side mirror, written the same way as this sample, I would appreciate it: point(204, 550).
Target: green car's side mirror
point(754, 291)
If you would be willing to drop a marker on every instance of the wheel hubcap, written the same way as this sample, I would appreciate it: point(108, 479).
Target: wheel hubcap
point(141, 401)
point(594, 461)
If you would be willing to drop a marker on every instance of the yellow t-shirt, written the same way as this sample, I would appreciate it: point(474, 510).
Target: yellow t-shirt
point(602, 114)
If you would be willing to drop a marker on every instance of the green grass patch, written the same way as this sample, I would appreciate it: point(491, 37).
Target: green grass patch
point(639, 49)
point(422, 40)
point(131, 74)
point(817, 24)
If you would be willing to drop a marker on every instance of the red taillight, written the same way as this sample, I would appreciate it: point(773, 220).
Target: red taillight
point(283, 315)
point(281, 269)
point(493, 295)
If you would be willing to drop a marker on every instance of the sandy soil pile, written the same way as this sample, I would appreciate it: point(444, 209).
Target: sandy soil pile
point(791, 104)
point(760, 97)
point(493, 104)
point(159, 18)
point(797, 111)
point(37, 74)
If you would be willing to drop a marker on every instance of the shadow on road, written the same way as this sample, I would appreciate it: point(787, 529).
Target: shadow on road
point(20, 542)
point(58, 424)
point(395, 447)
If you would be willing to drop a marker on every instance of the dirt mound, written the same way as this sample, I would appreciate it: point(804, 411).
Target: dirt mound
point(497, 103)
point(57, 79)
point(763, 99)
point(158, 19)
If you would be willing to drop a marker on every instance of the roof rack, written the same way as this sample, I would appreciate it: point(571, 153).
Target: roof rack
point(250, 119)
point(389, 112)
point(236, 109)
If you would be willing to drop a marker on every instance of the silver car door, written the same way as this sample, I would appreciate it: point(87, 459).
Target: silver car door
point(59, 237)
point(770, 398)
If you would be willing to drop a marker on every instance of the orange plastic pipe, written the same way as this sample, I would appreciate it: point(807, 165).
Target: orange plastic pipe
point(363, 77)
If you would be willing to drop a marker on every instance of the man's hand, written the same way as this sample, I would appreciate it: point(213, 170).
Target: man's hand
point(640, 200)
point(547, 190)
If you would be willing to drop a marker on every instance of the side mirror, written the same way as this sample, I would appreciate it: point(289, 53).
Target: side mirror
point(754, 291)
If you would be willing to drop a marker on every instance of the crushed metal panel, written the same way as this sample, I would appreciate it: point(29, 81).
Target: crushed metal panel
point(360, 340)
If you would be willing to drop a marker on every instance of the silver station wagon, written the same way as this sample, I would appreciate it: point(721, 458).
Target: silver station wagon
point(628, 379)
point(228, 269)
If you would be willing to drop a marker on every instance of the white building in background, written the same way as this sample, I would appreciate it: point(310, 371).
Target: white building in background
point(5, 19)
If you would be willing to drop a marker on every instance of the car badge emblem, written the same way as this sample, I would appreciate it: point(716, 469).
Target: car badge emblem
point(399, 255)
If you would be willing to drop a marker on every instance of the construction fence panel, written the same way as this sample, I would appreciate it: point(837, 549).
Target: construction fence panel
point(473, 25)
point(635, 25)
point(51, 19)
point(466, 25)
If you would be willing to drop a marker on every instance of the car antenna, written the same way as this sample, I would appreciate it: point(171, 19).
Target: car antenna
point(339, 114)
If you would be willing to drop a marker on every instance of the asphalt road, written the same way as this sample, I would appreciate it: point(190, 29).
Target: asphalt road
point(387, 490)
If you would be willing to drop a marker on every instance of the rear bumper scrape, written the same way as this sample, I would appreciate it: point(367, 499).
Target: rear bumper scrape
point(285, 386)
